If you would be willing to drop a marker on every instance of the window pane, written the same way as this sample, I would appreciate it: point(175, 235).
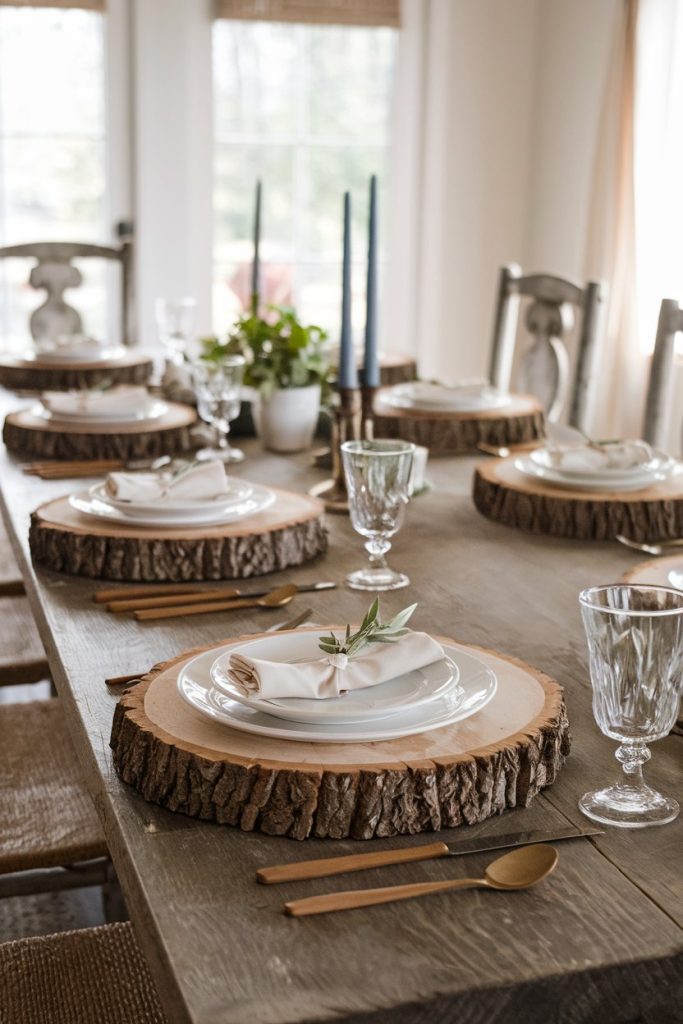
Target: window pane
point(307, 110)
point(52, 153)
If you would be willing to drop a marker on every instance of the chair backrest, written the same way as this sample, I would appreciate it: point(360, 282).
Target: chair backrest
point(55, 272)
point(660, 385)
point(545, 365)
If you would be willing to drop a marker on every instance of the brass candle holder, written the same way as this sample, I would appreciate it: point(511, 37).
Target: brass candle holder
point(346, 426)
point(367, 430)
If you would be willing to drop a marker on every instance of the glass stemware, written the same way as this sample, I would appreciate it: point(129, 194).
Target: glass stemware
point(218, 387)
point(635, 642)
point(378, 485)
point(175, 324)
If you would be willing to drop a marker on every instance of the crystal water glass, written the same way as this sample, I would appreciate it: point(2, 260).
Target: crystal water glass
point(378, 485)
point(175, 324)
point(635, 643)
point(218, 389)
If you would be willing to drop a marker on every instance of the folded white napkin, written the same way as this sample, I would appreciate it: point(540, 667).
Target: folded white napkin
point(114, 401)
point(325, 676)
point(203, 480)
point(617, 455)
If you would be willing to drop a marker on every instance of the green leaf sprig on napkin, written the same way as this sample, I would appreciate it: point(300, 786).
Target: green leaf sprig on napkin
point(371, 631)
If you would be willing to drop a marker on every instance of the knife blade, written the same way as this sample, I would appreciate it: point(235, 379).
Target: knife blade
point(166, 600)
point(361, 861)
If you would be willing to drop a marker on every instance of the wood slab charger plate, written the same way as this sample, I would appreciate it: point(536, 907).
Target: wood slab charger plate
point(451, 432)
point(499, 758)
point(44, 375)
point(32, 436)
point(502, 493)
point(289, 532)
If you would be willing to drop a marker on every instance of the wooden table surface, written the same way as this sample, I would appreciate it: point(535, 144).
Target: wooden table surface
point(600, 940)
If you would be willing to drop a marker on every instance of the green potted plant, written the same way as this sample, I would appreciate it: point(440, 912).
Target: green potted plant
point(287, 367)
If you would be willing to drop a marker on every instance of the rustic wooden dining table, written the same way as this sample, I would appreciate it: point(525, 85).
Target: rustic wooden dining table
point(601, 939)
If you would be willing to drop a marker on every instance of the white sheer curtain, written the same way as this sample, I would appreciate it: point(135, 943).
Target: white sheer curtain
point(610, 251)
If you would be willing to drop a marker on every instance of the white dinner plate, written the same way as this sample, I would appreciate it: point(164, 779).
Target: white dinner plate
point(592, 482)
point(152, 411)
point(476, 680)
point(260, 499)
point(238, 492)
point(439, 398)
point(409, 690)
point(661, 462)
point(676, 578)
point(86, 354)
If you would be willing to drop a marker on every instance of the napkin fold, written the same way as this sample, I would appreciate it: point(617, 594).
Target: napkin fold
point(114, 401)
point(320, 678)
point(615, 455)
point(201, 481)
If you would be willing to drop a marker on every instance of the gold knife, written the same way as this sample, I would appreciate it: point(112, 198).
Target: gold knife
point(360, 861)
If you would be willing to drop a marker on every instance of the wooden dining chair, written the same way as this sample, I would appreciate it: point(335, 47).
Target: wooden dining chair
point(22, 657)
point(658, 409)
point(89, 976)
point(55, 272)
point(48, 825)
point(544, 368)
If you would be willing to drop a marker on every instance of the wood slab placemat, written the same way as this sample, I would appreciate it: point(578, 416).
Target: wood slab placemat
point(502, 493)
point(288, 533)
point(31, 436)
point(447, 432)
point(43, 374)
point(499, 758)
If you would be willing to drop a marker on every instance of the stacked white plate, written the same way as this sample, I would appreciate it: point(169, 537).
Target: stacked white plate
point(440, 694)
point(239, 501)
point(468, 396)
point(541, 465)
point(152, 410)
point(85, 353)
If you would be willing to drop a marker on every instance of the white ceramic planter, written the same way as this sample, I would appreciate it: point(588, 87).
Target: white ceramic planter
point(286, 420)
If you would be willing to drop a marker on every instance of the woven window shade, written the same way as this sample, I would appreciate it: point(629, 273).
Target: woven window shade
point(313, 12)
point(83, 5)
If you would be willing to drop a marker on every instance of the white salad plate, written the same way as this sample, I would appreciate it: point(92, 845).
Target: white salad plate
point(477, 682)
point(410, 690)
point(440, 398)
point(593, 481)
point(660, 463)
point(152, 411)
point(237, 493)
point(205, 515)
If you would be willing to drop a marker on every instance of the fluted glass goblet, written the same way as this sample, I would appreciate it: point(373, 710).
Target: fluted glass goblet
point(635, 643)
point(218, 388)
point(378, 485)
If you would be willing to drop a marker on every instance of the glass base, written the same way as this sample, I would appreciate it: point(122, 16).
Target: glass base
point(377, 579)
point(224, 454)
point(629, 806)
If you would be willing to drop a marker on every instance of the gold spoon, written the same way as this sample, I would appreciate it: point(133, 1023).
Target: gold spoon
point(275, 599)
point(516, 870)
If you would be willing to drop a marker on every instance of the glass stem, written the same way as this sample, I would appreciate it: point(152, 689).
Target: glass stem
point(377, 548)
point(632, 757)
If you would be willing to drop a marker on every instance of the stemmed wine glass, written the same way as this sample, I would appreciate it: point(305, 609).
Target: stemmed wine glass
point(635, 642)
point(378, 484)
point(218, 387)
point(175, 324)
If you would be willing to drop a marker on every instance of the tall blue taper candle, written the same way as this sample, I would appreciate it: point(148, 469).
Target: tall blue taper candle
point(256, 266)
point(348, 375)
point(371, 359)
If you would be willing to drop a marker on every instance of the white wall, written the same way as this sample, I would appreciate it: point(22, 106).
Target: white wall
point(477, 133)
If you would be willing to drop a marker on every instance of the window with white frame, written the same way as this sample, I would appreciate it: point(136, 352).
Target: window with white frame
point(52, 150)
point(307, 110)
